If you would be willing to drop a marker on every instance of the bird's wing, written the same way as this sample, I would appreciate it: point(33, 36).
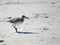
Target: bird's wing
point(7, 19)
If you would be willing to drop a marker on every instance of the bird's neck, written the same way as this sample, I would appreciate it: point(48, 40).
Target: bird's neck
point(22, 17)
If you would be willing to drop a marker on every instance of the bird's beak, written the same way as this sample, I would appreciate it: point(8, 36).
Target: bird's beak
point(26, 17)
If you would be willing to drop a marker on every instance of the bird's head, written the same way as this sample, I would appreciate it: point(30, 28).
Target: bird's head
point(25, 17)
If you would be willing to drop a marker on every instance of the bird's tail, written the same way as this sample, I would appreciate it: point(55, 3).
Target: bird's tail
point(4, 19)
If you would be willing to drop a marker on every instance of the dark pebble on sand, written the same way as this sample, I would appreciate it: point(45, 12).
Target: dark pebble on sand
point(1, 41)
point(53, 2)
point(45, 28)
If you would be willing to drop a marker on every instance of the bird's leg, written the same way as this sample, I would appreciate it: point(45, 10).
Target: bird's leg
point(15, 28)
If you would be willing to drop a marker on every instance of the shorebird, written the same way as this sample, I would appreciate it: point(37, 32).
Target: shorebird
point(16, 21)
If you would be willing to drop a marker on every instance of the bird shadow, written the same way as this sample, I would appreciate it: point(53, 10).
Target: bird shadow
point(26, 32)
